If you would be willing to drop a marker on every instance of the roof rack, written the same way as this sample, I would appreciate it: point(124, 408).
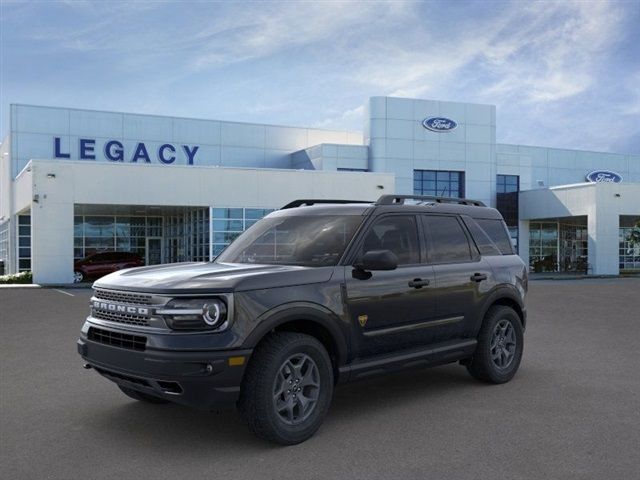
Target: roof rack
point(308, 202)
point(399, 200)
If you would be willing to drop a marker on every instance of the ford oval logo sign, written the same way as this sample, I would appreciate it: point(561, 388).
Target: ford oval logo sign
point(604, 176)
point(439, 124)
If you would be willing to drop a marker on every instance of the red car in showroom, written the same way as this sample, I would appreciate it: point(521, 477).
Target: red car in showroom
point(99, 264)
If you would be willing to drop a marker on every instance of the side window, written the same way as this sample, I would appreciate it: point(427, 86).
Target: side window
point(484, 243)
point(447, 240)
point(398, 234)
point(498, 233)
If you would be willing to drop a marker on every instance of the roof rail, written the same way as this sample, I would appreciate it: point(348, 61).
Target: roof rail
point(300, 203)
point(399, 200)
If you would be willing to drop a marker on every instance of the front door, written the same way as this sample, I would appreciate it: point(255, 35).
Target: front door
point(154, 251)
point(389, 309)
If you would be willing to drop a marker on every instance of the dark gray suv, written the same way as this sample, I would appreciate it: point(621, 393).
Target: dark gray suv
point(317, 293)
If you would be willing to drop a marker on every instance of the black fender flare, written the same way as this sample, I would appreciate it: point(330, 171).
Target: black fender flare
point(499, 293)
point(311, 312)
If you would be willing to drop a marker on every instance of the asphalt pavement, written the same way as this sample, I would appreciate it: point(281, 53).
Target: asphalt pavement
point(572, 411)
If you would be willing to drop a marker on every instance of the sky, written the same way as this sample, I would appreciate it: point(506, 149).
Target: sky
point(562, 74)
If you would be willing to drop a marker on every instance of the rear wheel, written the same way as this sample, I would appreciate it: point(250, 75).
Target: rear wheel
point(141, 396)
point(78, 276)
point(500, 346)
point(287, 388)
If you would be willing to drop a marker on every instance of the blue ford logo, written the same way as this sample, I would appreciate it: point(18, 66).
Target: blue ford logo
point(439, 124)
point(604, 176)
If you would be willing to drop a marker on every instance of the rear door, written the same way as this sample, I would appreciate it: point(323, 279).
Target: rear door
point(462, 277)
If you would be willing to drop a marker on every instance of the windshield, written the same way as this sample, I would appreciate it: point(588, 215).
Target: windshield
point(314, 241)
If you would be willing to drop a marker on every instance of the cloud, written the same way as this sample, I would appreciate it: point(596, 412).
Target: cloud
point(554, 54)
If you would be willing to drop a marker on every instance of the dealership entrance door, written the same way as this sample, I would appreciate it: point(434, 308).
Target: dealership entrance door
point(154, 252)
point(559, 245)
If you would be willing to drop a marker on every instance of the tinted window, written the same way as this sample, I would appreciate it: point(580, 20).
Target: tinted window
point(447, 240)
point(397, 234)
point(498, 233)
point(314, 240)
point(484, 243)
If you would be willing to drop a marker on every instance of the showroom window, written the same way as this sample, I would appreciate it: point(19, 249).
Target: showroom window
point(629, 244)
point(438, 183)
point(24, 243)
point(229, 223)
point(507, 188)
point(105, 233)
point(4, 247)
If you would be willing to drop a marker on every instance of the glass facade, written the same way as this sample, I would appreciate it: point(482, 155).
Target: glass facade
point(438, 183)
point(186, 236)
point(4, 247)
point(629, 244)
point(106, 233)
point(24, 243)
point(558, 247)
point(507, 188)
point(543, 246)
point(228, 223)
point(573, 248)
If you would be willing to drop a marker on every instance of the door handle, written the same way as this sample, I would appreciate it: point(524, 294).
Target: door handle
point(418, 283)
point(478, 277)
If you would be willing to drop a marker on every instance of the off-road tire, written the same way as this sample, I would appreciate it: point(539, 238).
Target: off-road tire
point(257, 405)
point(482, 365)
point(141, 396)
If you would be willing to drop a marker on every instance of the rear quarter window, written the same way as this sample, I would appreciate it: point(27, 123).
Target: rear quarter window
point(497, 232)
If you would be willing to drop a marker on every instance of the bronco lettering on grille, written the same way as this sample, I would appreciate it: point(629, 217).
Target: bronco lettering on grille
point(112, 307)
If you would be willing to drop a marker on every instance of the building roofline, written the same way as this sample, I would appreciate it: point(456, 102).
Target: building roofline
point(184, 118)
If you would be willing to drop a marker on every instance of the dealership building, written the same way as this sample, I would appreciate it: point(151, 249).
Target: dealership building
point(74, 182)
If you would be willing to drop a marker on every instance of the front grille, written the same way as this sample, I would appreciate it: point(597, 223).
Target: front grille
point(117, 339)
point(127, 318)
point(123, 297)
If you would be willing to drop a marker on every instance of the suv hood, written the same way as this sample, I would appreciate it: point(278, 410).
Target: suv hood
point(208, 277)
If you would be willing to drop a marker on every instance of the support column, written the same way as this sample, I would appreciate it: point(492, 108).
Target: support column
point(211, 234)
point(603, 227)
point(52, 242)
point(523, 241)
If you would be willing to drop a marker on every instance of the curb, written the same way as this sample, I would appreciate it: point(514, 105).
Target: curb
point(20, 285)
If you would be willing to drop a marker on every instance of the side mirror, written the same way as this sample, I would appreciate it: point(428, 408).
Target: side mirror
point(377, 260)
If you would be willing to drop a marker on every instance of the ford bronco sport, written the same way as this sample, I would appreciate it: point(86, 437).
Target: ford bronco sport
point(317, 293)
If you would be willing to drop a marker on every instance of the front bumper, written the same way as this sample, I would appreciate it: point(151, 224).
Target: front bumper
point(206, 380)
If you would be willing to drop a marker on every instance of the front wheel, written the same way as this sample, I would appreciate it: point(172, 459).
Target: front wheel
point(78, 276)
point(287, 388)
point(500, 345)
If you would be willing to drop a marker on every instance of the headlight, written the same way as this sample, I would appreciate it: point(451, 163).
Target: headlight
point(195, 314)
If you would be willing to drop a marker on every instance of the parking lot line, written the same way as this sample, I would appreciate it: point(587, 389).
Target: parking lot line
point(66, 293)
